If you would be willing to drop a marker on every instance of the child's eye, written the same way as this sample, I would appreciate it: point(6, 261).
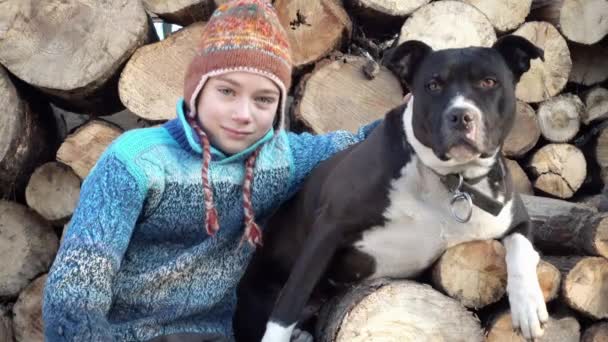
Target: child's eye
point(266, 99)
point(226, 91)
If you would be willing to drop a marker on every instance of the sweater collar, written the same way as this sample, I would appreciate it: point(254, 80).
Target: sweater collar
point(180, 129)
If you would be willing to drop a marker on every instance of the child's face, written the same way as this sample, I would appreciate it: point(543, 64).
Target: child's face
point(237, 109)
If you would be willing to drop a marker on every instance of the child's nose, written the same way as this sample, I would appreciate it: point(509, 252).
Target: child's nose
point(242, 112)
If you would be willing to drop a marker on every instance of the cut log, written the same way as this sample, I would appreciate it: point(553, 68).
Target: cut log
point(596, 102)
point(559, 117)
point(78, 63)
point(27, 247)
point(153, 79)
point(597, 332)
point(564, 329)
point(6, 325)
point(548, 78)
point(28, 138)
point(391, 310)
point(584, 22)
point(448, 24)
point(314, 27)
point(584, 284)
point(81, 149)
point(474, 273)
point(28, 323)
point(337, 95)
point(525, 132)
point(559, 169)
point(181, 12)
point(541, 209)
point(389, 8)
point(505, 15)
point(601, 154)
point(577, 232)
point(589, 63)
point(53, 192)
point(520, 179)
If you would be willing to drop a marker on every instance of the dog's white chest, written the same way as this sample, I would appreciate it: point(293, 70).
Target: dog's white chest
point(420, 225)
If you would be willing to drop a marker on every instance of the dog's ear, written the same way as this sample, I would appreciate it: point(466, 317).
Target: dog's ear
point(404, 59)
point(517, 52)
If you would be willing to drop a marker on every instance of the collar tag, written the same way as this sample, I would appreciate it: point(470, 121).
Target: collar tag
point(461, 201)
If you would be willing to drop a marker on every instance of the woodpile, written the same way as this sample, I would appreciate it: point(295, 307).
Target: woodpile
point(67, 68)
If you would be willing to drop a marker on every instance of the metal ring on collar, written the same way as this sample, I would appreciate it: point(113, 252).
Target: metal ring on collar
point(462, 196)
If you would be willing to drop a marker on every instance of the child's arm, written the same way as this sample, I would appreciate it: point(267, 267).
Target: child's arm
point(308, 150)
point(78, 292)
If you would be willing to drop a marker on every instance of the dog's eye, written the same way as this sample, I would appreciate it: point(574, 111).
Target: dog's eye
point(488, 83)
point(433, 85)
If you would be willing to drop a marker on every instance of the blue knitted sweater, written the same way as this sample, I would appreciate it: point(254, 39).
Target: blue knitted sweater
point(136, 262)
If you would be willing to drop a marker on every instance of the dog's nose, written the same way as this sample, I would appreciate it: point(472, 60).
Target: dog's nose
point(460, 118)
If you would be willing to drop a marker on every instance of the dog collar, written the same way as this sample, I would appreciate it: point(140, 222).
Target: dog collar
point(463, 192)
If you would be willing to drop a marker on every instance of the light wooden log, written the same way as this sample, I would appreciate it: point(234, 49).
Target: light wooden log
point(448, 24)
point(525, 132)
point(153, 79)
point(181, 12)
point(314, 27)
point(563, 329)
point(520, 179)
point(6, 324)
point(77, 64)
point(81, 149)
point(390, 8)
point(597, 332)
point(583, 284)
point(28, 137)
point(545, 78)
point(337, 95)
point(589, 63)
point(596, 103)
point(541, 209)
point(28, 324)
point(559, 118)
point(581, 21)
point(475, 273)
point(393, 310)
point(505, 15)
point(53, 192)
point(559, 169)
point(27, 247)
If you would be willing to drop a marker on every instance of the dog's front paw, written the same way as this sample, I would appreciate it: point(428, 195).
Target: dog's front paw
point(301, 336)
point(528, 309)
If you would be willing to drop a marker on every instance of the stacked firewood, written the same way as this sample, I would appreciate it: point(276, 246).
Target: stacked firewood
point(90, 60)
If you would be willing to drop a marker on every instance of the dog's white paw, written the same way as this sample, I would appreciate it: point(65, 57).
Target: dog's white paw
point(301, 336)
point(528, 308)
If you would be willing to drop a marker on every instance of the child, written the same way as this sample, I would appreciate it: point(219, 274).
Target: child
point(166, 225)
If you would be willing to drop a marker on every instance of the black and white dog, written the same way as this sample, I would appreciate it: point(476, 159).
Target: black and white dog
point(430, 176)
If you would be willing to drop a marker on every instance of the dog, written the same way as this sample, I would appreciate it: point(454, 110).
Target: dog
point(428, 177)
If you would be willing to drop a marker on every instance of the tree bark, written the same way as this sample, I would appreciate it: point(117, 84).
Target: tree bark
point(448, 24)
point(399, 310)
point(597, 332)
point(181, 12)
point(27, 247)
point(337, 95)
point(545, 78)
point(153, 79)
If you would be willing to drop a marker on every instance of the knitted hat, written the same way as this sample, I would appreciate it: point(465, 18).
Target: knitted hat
point(241, 35)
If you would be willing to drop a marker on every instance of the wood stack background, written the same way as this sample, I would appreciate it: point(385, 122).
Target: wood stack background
point(75, 74)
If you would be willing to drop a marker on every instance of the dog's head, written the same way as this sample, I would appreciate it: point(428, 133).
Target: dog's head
point(464, 99)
